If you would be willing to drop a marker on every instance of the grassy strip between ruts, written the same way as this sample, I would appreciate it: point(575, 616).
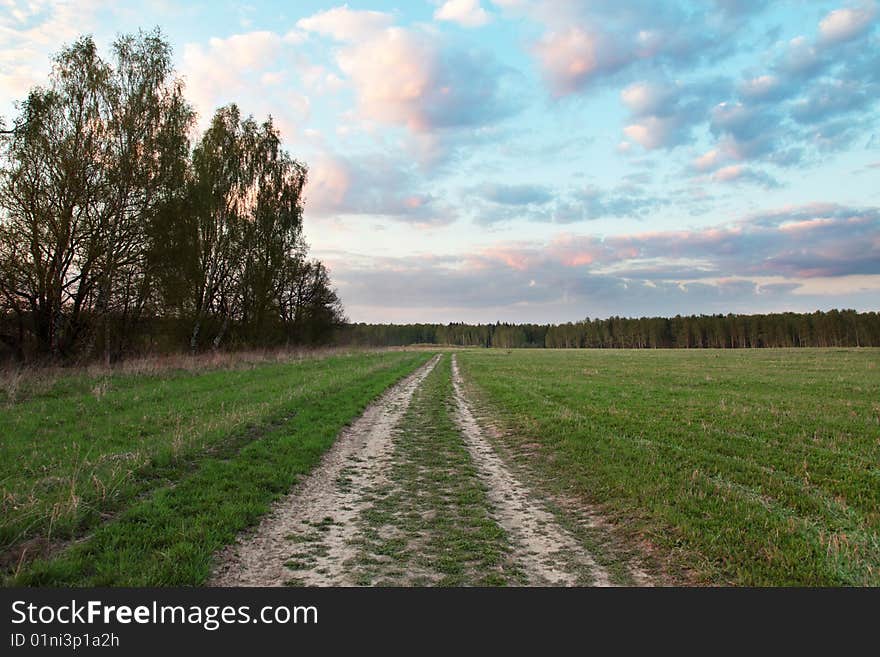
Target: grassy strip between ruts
point(747, 467)
point(168, 537)
point(430, 523)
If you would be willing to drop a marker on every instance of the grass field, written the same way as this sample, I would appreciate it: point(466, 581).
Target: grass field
point(753, 467)
point(748, 467)
point(151, 474)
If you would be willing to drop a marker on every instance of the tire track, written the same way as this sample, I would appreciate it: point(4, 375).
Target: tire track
point(548, 554)
point(310, 535)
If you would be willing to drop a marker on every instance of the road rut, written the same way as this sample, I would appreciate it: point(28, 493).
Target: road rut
point(311, 531)
point(548, 554)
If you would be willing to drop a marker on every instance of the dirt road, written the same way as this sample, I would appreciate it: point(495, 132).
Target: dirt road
point(548, 554)
point(412, 493)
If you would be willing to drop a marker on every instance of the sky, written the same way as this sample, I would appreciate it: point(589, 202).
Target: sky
point(543, 160)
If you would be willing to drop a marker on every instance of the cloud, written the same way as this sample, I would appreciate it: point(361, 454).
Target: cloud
point(664, 114)
point(467, 13)
point(655, 132)
point(745, 132)
point(801, 241)
point(592, 203)
point(571, 58)
point(741, 7)
point(31, 32)
point(801, 59)
point(795, 111)
point(250, 69)
point(644, 98)
point(515, 194)
point(846, 24)
point(435, 85)
point(762, 88)
point(588, 43)
point(803, 257)
point(737, 173)
point(708, 160)
point(344, 24)
point(497, 203)
point(816, 97)
point(831, 99)
point(376, 185)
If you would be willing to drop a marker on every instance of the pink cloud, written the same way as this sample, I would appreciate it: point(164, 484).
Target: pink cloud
point(728, 173)
point(569, 58)
point(845, 24)
point(579, 259)
point(398, 98)
point(708, 160)
point(806, 224)
point(513, 258)
point(653, 132)
point(576, 251)
point(328, 184)
point(411, 77)
point(708, 268)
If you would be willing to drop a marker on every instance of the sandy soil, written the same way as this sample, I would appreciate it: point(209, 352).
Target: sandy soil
point(309, 536)
point(547, 553)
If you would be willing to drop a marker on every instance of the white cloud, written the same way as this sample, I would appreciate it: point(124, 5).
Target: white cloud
point(344, 24)
point(468, 13)
point(250, 69)
point(219, 71)
point(31, 32)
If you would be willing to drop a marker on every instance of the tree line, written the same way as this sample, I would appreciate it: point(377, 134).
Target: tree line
point(835, 328)
point(120, 232)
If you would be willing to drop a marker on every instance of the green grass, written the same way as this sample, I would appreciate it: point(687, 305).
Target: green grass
point(748, 467)
point(158, 472)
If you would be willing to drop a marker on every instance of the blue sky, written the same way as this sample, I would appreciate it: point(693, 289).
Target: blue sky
point(529, 160)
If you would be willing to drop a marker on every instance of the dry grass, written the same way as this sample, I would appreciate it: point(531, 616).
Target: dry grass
point(20, 382)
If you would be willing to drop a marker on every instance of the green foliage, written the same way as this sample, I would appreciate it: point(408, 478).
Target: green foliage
point(753, 467)
point(248, 266)
point(835, 328)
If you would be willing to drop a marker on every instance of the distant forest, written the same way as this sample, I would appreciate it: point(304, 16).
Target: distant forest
point(835, 328)
point(122, 231)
